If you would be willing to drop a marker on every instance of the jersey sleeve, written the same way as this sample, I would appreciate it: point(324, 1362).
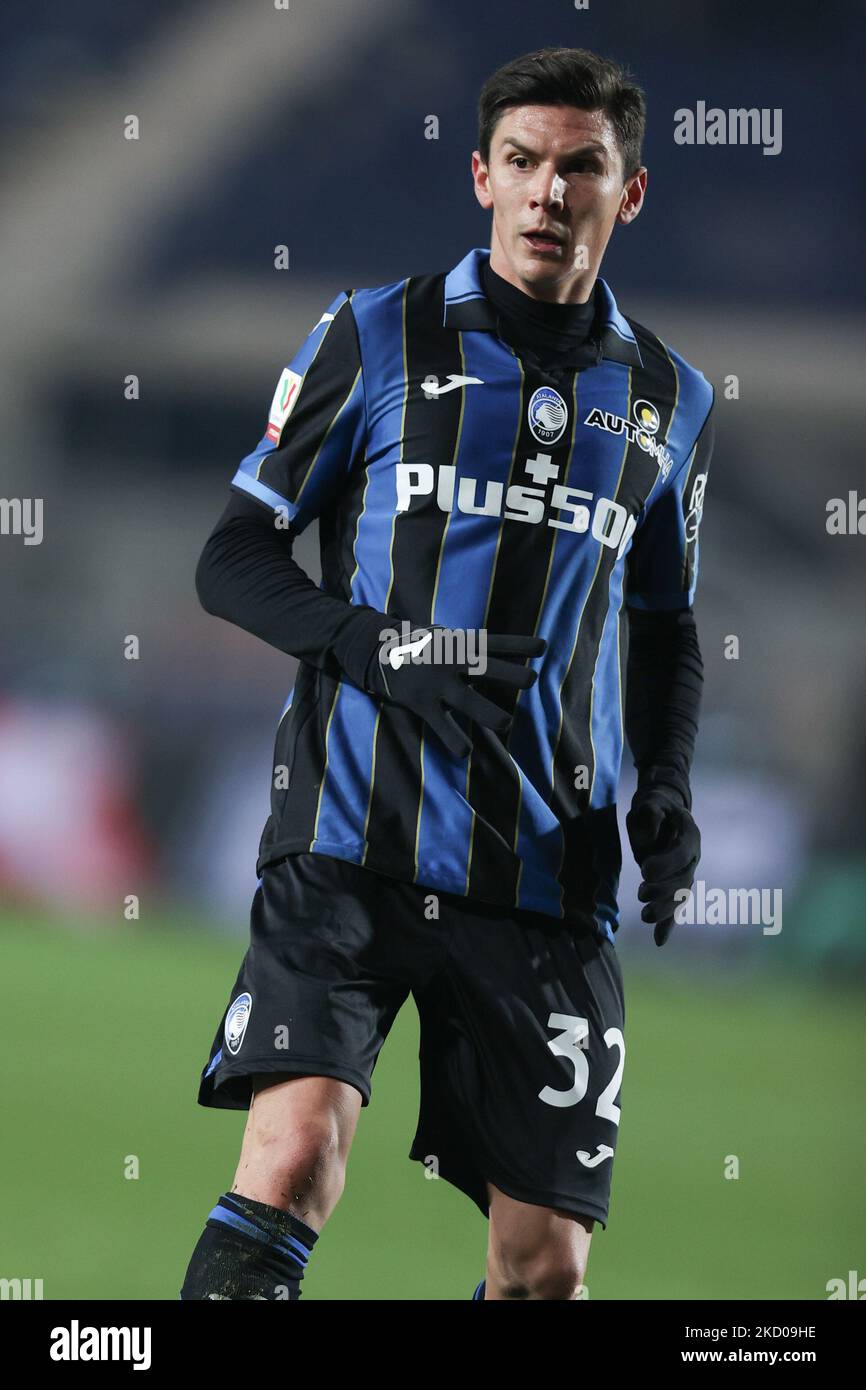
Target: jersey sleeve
point(316, 424)
point(662, 563)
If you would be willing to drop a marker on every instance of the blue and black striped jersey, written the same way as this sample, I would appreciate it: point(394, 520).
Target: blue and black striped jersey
point(456, 484)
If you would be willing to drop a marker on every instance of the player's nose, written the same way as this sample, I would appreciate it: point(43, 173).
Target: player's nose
point(549, 195)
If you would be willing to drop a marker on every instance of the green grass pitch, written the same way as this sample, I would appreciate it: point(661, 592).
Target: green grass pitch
point(109, 1030)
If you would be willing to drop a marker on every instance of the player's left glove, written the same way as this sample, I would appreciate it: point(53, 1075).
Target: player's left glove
point(667, 846)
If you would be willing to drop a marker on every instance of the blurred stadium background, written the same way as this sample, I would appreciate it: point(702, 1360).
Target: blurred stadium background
point(154, 257)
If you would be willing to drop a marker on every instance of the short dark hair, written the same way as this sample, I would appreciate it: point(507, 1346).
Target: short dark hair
point(567, 77)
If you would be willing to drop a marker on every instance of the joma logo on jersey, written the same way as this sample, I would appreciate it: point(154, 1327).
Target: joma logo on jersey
point(640, 431)
point(574, 509)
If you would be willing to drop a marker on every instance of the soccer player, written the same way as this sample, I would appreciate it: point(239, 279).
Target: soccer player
point(499, 460)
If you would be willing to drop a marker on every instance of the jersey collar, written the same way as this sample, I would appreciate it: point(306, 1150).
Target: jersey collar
point(467, 307)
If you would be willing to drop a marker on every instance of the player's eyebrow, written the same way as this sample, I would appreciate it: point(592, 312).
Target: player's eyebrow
point(592, 147)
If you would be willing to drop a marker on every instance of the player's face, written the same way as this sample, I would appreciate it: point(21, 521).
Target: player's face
point(554, 170)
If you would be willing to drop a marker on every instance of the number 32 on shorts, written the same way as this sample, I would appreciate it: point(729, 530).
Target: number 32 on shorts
point(573, 1032)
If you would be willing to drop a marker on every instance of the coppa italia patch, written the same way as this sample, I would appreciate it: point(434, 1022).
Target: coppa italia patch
point(281, 406)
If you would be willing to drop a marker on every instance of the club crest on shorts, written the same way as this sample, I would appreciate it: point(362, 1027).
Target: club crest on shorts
point(237, 1019)
point(547, 415)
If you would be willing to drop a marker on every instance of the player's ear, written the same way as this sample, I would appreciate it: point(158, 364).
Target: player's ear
point(481, 179)
point(632, 196)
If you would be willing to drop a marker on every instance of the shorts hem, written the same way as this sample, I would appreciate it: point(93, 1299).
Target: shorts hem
point(574, 1206)
point(457, 1177)
point(230, 1088)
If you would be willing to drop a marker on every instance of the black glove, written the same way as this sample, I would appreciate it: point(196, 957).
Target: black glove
point(434, 688)
point(667, 846)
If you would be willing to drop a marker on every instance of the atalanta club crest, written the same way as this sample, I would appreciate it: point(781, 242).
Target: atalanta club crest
point(548, 415)
point(237, 1019)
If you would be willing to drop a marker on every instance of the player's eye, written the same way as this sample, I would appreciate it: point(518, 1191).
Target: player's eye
point(518, 156)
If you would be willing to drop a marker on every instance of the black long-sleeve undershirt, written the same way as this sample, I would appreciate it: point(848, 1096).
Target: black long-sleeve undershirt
point(664, 684)
point(248, 575)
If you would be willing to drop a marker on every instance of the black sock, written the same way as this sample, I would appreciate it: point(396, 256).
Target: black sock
point(249, 1250)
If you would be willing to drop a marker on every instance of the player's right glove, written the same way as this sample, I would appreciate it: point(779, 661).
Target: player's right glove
point(438, 688)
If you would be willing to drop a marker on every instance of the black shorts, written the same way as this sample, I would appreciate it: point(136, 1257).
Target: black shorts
point(521, 1018)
